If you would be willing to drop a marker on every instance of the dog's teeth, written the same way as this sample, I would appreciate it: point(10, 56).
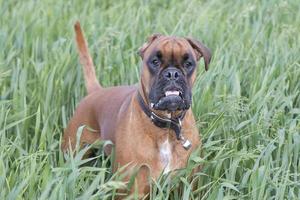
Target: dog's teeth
point(168, 93)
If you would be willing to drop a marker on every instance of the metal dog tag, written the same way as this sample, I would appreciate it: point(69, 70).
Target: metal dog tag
point(187, 145)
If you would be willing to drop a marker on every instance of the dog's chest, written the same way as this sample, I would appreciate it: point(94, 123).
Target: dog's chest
point(165, 155)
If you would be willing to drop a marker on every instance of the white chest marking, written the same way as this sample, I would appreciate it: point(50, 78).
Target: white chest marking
point(165, 156)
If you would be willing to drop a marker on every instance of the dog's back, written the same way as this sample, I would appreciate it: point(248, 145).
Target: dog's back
point(98, 103)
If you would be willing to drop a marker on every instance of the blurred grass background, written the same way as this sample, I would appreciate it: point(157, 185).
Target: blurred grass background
point(247, 105)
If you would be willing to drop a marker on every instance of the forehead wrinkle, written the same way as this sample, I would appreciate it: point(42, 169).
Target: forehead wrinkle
point(173, 49)
point(166, 48)
point(178, 50)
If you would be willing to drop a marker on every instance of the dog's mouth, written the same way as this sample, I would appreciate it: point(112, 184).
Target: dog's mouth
point(173, 93)
point(171, 100)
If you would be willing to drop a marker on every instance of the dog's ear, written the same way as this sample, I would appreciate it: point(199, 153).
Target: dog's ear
point(150, 40)
point(200, 51)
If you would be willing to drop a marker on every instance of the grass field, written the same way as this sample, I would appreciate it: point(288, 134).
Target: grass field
point(247, 105)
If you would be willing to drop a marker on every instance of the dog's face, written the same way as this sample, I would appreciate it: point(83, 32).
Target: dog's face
point(169, 70)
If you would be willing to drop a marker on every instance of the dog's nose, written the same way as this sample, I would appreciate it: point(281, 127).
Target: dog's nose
point(171, 73)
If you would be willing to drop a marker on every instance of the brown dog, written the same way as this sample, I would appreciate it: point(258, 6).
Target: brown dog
point(150, 123)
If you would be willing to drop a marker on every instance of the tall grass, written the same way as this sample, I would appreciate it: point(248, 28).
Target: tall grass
point(247, 105)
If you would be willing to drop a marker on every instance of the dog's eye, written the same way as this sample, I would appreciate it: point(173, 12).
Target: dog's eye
point(155, 62)
point(187, 64)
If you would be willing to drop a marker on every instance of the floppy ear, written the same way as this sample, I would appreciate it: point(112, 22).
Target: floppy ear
point(201, 51)
point(151, 39)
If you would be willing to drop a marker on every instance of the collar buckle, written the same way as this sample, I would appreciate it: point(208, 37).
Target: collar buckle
point(151, 116)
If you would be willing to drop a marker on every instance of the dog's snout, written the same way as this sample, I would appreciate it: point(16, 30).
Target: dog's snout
point(172, 73)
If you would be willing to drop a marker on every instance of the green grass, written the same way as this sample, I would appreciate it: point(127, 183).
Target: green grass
point(247, 105)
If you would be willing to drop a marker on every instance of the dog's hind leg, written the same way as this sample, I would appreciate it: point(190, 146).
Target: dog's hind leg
point(90, 133)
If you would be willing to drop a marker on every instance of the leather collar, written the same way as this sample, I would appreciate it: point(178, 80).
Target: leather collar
point(161, 122)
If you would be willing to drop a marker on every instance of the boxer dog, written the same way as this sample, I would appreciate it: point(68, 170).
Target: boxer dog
point(150, 124)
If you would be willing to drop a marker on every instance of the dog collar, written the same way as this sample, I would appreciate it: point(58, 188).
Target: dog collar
point(172, 123)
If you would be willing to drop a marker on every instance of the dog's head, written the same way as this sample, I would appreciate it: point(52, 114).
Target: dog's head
point(169, 70)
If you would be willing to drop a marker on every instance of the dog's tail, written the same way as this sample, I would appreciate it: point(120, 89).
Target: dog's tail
point(86, 61)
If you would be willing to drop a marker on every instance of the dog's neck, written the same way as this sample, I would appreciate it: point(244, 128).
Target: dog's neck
point(174, 123)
